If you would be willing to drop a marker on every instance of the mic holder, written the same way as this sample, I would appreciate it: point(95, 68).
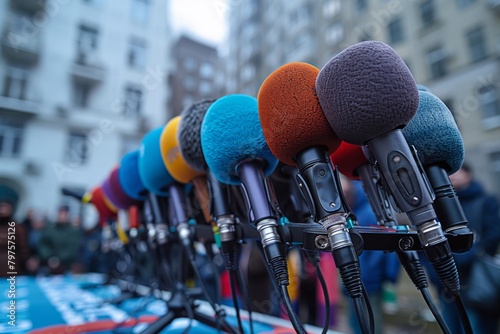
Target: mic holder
point(409, 187)
point(377, 196)
point(254, 187)
point(158, 223)
point(448, 209)
point(322, 190)
point(176, 203)
point(224, 219)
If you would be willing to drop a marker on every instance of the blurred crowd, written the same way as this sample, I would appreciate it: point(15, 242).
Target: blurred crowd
point(49, 247)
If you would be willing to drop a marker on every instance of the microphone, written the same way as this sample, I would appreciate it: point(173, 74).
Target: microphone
point(440, 148)
point(368, 94)
point(156, 180)
point(189, 135)
point(179, 169)
point(104, 207)
point(298, 134)
point(129, 177)
point(237, 153)
point(351, 161)
point(114, 191)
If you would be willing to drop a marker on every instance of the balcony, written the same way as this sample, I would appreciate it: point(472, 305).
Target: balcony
point(495, 5)
point(31, 6)
point(87, 68)
point(13, 106)
point(21, 40)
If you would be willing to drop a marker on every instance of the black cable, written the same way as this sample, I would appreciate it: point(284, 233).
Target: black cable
point(437, 315)
point(218, 311)
point(463, 313)
point(246, 295)
point(232, 283)
point(322, 281)
point(359, 307)
point(296, 323)
point(190, 313)
point(413, 267)
point(132, 316)
point(369, 309)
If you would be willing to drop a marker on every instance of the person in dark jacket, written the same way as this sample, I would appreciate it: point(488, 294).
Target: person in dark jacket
point(59, 244)
point(377, 267)
point(482, 212)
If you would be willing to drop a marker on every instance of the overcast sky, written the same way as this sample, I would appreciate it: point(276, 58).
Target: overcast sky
point(204, 19)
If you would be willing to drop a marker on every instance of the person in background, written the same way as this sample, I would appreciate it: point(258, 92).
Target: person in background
point(28, 221)
point(59, 244)
point(482, 213)
point(377, 267)
point(37, 226)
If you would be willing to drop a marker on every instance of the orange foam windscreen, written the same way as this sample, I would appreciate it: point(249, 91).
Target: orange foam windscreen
point(290, 114)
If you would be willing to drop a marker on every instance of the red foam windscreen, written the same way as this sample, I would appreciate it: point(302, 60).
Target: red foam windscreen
point(99, 201)
point(348, 157)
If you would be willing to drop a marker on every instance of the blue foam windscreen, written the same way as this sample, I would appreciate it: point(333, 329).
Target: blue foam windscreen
point(128, 175)
point(435, 134)
point(152, 170)
point(230, 133)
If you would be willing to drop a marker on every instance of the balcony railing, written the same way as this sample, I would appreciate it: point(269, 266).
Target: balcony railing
point(87, 68)
point(21, 39)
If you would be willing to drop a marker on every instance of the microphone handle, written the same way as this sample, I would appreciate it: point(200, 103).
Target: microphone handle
point(377, 197)
point(398, 167)
point(219, 196)
point(449, 210)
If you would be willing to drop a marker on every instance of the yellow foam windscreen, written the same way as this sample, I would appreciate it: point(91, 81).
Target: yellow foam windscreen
point(171, 154)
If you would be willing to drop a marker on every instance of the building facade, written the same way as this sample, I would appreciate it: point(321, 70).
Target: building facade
point(80, 82)
point(451, 46)
point(194, 74)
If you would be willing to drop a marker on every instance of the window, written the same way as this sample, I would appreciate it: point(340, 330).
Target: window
point(11, 136)
point(77, 151)
point(206, 70)
point(189, 64)
point(464, 3)
point(205, 88)
point(248, 73)
point(15, 83)
point(495, 164)
point(396, 34)
point(87, 39)
point(427, 12)
point(335, 33)
point(81, 94)
point(133, 101)
point(129, 144)
point(489, 100)
point(137, 53)
point(477, 44)
point(187, 101)
point(331, 8)
point(140, 11)
point(360, 6)
point(365, 36)
point(188, 83)
point(437, 59)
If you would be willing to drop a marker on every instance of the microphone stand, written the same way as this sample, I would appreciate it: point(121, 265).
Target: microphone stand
point(181, 303)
